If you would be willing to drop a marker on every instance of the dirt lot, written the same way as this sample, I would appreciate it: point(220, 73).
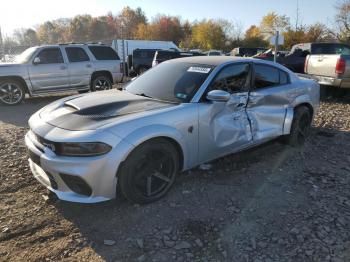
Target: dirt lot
point(273, 203)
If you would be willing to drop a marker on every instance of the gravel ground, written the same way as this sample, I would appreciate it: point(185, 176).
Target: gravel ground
point(273, 203)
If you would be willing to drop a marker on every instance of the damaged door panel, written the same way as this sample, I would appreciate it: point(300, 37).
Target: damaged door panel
point(268, 102)
point(224, 126)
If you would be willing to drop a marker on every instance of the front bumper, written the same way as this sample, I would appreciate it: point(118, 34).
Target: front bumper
point(97, 174)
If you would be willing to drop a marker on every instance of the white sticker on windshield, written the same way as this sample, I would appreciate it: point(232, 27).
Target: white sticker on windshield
point(197, 69)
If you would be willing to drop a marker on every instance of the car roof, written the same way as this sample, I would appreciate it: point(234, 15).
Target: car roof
point(211, 60)
point(219, 60)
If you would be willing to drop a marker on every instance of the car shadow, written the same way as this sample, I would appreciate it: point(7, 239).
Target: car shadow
point(197, 204)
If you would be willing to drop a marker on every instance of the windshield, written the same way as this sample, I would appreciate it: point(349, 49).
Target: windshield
point(26, 55)
point(175, 81)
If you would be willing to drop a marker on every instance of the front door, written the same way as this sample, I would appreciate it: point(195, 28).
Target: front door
point(223, 126)
point(49, 71)
point(268, 101)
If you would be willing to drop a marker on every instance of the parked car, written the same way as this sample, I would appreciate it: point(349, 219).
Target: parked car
point(177, 115)
point(142, 60)
point(214, 53)
point(295, 60)
point(247, 51)
point(163, 55)
point(59, 68)
point(270, 54)
point(330, 69)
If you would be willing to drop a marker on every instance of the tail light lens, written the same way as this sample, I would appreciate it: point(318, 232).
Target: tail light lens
point(306, 64)
point(340, 67)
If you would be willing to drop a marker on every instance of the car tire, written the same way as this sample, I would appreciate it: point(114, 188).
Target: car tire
point(100, 83)
point(149, 171)
point(12, 92)
point(300, 127)
point(83, 91)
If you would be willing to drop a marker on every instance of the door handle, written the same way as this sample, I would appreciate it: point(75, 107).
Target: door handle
point(241, 105)
point(88, 65)
point(62, 67)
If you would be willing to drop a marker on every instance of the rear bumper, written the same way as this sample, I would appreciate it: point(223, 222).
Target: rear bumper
point(332, 81)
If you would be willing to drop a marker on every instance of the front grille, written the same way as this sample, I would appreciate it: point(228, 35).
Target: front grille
point(34, 157)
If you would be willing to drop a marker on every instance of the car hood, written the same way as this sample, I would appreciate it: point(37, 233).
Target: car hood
point(9, 64)
point(91, 111)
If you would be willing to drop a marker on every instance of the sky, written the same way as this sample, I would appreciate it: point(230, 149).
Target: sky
point(28, 14)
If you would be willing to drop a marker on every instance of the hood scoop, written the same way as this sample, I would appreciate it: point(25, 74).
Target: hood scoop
point(94, 110)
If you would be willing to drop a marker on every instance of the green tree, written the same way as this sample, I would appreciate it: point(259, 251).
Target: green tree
point(272, 22)
point(208, 34)
point(129, 20)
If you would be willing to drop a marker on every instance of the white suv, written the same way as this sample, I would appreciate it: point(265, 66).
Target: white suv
point(59, 68)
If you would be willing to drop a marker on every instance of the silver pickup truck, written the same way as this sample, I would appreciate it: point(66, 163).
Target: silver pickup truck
point(330, 69)
point(59, 68)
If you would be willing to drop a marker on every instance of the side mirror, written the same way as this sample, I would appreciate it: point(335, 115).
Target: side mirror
point(218, 96)
point(36, 60)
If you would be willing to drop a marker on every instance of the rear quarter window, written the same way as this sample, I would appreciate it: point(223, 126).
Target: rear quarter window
point(103, 53)
point(266, 76)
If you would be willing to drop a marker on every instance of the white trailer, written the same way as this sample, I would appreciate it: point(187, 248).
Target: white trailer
point(126, 47)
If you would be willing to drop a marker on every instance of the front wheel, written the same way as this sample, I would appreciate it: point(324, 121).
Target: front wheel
point(149, 171)
point(11, 92)
point(100, 83)
point(300, 126)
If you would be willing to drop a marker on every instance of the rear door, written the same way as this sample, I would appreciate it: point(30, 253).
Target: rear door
point(224, 126)
point(50, 72)
point(268, 101)
point(79, 67)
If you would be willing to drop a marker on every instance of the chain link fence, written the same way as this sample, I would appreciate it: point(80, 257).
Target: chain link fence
point(9, 54)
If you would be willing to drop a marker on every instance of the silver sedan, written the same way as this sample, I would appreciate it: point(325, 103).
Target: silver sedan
point(180, 114)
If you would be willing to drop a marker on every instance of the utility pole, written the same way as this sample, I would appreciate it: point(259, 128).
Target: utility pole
point(276, 45)
point(297, 17)
point(1, 45)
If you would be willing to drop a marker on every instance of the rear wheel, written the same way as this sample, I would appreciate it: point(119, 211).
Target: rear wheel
point(11, 92)
point(100, 83)
point(300, 127)
point(149, 171)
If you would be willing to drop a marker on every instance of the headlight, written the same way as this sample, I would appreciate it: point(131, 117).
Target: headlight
point(81, 149)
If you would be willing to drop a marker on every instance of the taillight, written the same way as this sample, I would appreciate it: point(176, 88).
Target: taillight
point(340, 66)
point(121, 68)
point(306, 64)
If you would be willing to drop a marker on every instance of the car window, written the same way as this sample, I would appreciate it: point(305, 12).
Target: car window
point(266, 76)
point(176, 82)
point(329, 49)
point(76, 54)
point(233, 78)
point(103, 53)
point(50, 56)
point(284, 78)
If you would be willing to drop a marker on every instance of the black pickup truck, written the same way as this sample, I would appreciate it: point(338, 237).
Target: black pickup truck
point(142, 60)
point(295, 60)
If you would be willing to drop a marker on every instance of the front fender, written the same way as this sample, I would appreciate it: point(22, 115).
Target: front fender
point(153, 131)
